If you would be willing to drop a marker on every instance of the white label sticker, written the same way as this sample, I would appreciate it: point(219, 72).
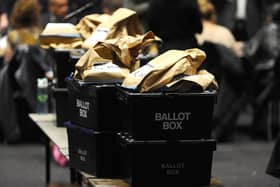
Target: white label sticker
point(143, 71)
point(108, 67)
point(99, 35)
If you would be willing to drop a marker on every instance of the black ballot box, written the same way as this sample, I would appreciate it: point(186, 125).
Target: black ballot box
point(167, 163)
point(94, 105)
point(64, 63)
point(60, 102)
point(166, 116)
point(94, 152)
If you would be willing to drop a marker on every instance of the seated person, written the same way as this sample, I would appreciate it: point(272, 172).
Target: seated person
point(57, 10)
point(25, 26)
point(212, 32)
point(24, 63)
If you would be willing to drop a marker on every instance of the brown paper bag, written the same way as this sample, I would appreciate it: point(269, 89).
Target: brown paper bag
point(87, 61)
point(107, 72)
point(93, 68)
point(196, 57)
point(126, 49)
point(122, 22)
point(194, 83)
point(89, 23)
point(161, 70)
point(159, 79)
point(70, 45)
point(59, 33)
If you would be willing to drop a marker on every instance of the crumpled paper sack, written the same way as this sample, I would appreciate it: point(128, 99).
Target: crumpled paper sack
point(121, 23)
point(88, 24)
point(162, 70)
point(196, 83)
point(60, 35)
point(120, 52)
point(91, 30)
point(125, 50)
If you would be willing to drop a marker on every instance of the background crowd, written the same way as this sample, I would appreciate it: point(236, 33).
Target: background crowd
point(241, 39)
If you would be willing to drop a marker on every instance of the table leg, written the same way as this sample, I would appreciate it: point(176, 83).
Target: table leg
point(47, 157)
point(73, 175)
point(79, 178)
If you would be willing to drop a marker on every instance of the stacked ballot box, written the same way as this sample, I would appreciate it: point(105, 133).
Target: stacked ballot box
point(166, 138)
point(163, 138)
point(63, 63)
point(93, 128)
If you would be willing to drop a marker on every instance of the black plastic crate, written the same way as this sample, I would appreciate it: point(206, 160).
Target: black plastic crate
point(94, 105)
point(165, 164)
point(93, 152)
point(65, 61)
point(166, 116)
point(60, 96)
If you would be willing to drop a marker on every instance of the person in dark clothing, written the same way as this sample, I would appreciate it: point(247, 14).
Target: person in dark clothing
point(262, 51)
point(57, 10)
point(175, 22)
point(96, 8)
point(273, 167)
point(25, 26)
point(4, 22)
point(8, 6)
point(243, 17)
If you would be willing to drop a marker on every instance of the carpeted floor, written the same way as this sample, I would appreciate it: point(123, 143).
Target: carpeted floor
point(238, 164)
point(24, 166)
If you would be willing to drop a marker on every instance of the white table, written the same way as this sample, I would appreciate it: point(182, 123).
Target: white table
point(58, 135)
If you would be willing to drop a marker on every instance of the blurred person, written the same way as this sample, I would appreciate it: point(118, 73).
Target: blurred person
point(96, 8)
point(262, 51)
point(109, 6)
point(176, 22)
point(7, 6)
point(212, 32)
point(4, 22)
point(57, 10)
point(25, 26)
point(273, 167)
point(141, 7)
point(242, 17)
point(25, 62)
point(223, 53)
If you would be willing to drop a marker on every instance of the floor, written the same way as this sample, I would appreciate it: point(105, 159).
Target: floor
point(238, 164)
point(23, 166)
point(243, 164)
